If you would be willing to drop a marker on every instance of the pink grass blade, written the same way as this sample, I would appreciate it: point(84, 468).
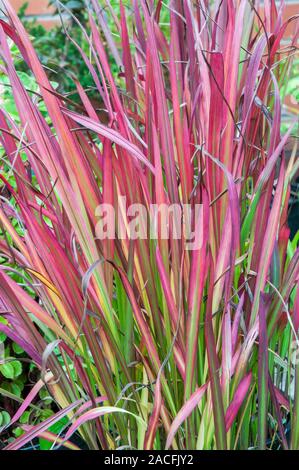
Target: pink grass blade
point(237, 400)
point(185, 412)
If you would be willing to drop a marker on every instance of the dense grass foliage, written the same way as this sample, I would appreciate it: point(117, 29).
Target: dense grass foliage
point(143, 343)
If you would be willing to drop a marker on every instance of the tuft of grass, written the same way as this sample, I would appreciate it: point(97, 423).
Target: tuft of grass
point(142, 342)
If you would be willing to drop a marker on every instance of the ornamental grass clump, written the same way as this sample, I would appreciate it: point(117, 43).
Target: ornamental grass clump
point(151, 341)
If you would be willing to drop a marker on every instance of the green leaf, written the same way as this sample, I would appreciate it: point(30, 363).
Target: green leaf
point(55, 428)
point(13, 388)
point(17, 349)
point(44, 395)
point(18, 431)
point(18, 368)
point(20, 381)
point(24, 419)
point(11, 370)
point(2, 337)
point(4, 418)
point(7, 370)
point(46, 413)
point(16, 389)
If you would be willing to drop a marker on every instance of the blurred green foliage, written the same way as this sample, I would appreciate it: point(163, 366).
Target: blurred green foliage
point(55, 50)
